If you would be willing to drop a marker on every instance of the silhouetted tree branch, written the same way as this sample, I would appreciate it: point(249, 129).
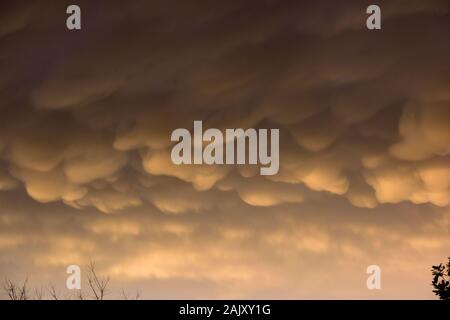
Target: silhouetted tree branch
point(52, 292)
point(97, 289)
point(15, 291)
point(97, 284)
point(38, 294)
point(79, 295)
point(441, 280)
point(126, 297)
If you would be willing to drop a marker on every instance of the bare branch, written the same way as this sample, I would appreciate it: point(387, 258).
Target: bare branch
point(15, 291)
point(138, 295)
point(79, 295)
point(125, 296)
point(97, 284)
point(52, 292)
point(38, 293)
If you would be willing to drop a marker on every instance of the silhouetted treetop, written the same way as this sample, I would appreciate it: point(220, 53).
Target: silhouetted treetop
point(441, 280)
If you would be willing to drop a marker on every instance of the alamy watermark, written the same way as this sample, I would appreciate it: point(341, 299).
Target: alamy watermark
point(374, 280)
point(236, 146)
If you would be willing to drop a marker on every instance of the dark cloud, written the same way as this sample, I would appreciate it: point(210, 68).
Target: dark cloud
point(85, 127)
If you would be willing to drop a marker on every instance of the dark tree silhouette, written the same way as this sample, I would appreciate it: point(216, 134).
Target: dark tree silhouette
point(441, 280)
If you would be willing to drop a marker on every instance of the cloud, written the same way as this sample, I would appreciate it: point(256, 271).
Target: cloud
point(202, 177)
point(96, 160)
point(425, 183)
point(85, 124)
point(259, 251)
point(266, 193)
point(188, 199)
point(6, 181)
point(89, 114)
point(48, 186)
point(106, 200)
point(425, 132)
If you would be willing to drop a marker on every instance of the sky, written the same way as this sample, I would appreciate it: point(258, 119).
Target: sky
point(364, 119)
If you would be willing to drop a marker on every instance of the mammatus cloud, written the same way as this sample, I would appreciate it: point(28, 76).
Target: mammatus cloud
point(85, 128)
point(85, 118)
point(424, 132)
point(87, 121)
